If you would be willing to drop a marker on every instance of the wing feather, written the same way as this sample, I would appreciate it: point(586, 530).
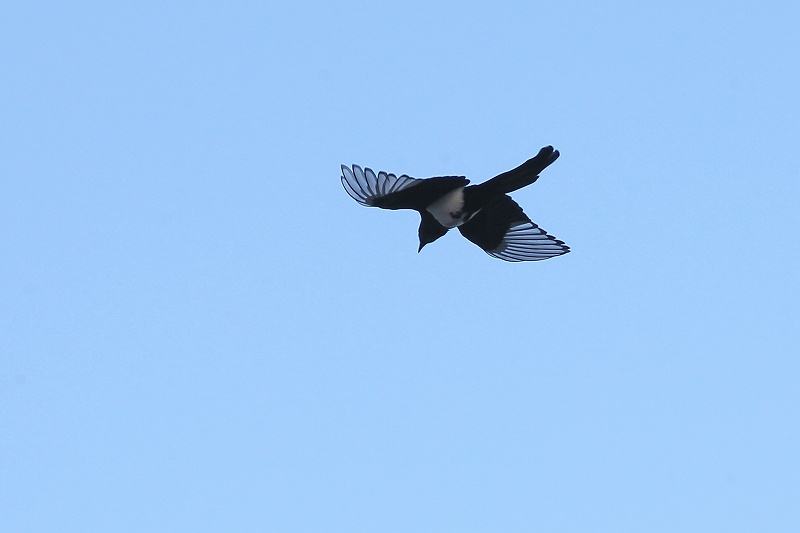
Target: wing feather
point(391, 192)
point(526, 241)
point(366, 187)
point(504, 231)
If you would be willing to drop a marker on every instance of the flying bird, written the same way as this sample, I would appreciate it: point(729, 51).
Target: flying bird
point(484, 213)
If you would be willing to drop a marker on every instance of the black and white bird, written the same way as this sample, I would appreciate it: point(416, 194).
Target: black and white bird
point(484, 213)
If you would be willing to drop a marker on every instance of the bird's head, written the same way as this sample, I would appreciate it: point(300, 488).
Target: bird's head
point(429, 230)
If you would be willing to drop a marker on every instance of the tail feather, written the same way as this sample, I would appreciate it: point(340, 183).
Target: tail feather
point(523, 175)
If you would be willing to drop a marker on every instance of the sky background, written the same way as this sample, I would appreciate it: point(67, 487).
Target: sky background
point(201, 331)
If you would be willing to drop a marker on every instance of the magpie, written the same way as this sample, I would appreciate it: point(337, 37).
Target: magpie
point(484, 213)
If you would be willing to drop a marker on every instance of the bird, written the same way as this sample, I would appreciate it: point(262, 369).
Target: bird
point(484, 214)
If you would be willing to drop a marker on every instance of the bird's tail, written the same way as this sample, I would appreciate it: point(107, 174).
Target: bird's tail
point(523, 175)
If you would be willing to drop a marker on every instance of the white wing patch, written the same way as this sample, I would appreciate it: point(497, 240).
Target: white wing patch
point(449, 209)
point(525, 241)
point(364, 186)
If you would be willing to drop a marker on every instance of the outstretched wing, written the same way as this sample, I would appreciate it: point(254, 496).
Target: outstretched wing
point(526, 241)
point(504, 231)
point(390, 192)
point(366, 188)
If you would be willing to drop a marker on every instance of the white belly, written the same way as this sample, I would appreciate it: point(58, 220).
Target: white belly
point(448, 210)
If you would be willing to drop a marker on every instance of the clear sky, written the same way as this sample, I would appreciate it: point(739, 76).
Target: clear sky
point(201, 331)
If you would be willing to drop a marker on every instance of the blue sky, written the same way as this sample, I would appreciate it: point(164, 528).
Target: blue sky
point(202, 332)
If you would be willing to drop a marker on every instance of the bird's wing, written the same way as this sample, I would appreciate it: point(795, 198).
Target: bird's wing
point(504, 231)
point(390, 192)
point(365, 187)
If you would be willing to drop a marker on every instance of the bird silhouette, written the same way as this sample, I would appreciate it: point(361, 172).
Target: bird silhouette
point(484, 213)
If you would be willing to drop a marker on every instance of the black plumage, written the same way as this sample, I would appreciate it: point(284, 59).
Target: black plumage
point(484, 213)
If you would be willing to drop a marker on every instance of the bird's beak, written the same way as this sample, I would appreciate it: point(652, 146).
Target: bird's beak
point(421, 246)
